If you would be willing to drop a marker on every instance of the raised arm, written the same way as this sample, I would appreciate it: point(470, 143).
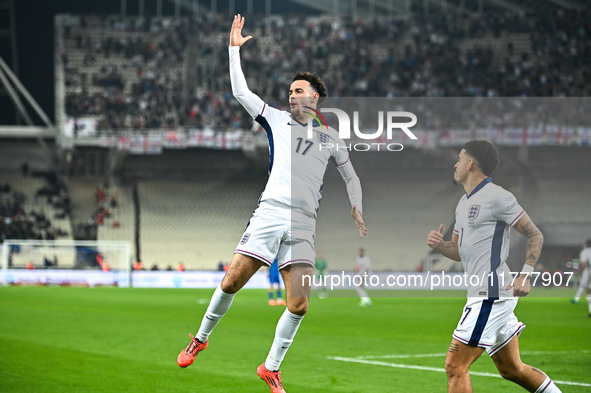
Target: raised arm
point(355, 195)
point(250, 101)
point(447, 249)
point(533, 249)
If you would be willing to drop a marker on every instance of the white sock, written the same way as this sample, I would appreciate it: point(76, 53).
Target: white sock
point(548, 387)
point(579, 293)
point(589, 303)
point(287, 328)
point(218, 306)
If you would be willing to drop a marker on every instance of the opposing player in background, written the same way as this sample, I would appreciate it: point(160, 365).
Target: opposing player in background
point(584, 270)
point(320, 265)
point(284, 223)
point(480, 240)
point(363, 268)
point(275, 286)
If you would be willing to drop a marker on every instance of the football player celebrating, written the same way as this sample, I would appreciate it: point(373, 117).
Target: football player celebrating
point(284, 223)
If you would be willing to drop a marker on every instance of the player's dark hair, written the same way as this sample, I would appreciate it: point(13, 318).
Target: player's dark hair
point(588, 243)
point(314, 81)
point(485, 154)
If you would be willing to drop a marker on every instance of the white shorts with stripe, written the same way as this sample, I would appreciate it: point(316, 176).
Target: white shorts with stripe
point(277, 231)
point(490, 324)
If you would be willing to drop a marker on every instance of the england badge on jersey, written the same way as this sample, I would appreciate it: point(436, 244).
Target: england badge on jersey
point(244, 238)
point(473, 212)
point(322, 137)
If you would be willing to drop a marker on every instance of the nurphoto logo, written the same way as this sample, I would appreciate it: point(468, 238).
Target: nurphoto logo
point(390, 118)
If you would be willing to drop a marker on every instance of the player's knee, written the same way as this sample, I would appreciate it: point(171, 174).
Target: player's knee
point(510, 373)
point(230, 285)
point(298, 306)
point(453, 369)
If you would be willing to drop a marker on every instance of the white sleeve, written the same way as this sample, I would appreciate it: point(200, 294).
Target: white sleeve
point(353, 184)
point(251, 102)
point(506, 208)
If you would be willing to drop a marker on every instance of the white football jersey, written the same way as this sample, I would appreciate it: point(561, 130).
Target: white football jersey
point(483, 222)
point(585, 256)
point(364, 264)
point(297, 164)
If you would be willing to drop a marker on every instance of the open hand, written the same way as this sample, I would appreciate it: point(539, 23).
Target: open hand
point(236, 38)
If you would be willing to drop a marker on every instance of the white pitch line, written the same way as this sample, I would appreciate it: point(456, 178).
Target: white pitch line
point(433, 355)
point(405, 356)
point(436, 369)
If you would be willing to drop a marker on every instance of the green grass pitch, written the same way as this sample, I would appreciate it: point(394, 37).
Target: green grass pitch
point(55, 339)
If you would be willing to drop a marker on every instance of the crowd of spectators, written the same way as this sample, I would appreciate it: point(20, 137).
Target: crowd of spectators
point(416, 57)
point(18, 223)
point(153, 49)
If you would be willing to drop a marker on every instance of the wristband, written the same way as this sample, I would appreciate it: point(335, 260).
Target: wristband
point(527, 269)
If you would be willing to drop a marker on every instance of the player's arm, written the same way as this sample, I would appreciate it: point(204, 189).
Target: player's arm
point(250, 101)
point(355, 194)
point(535, 240)
point(448, 249)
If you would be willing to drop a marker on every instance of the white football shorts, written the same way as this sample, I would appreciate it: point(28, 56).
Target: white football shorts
point(277, 231)
point(489, 324)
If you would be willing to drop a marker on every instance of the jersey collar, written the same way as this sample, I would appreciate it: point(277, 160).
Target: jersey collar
point(314, 123)
point(479, 186)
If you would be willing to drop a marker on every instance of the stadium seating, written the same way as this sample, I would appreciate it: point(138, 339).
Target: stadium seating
point(498, 54)
point(121, 222)
point(29, 187)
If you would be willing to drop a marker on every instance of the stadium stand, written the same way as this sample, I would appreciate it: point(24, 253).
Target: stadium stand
point(120, 225)
point(136, 80)
point(30, 210)
point(200, 219)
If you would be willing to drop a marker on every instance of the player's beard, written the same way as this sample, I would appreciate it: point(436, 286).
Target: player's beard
point(454, 180)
